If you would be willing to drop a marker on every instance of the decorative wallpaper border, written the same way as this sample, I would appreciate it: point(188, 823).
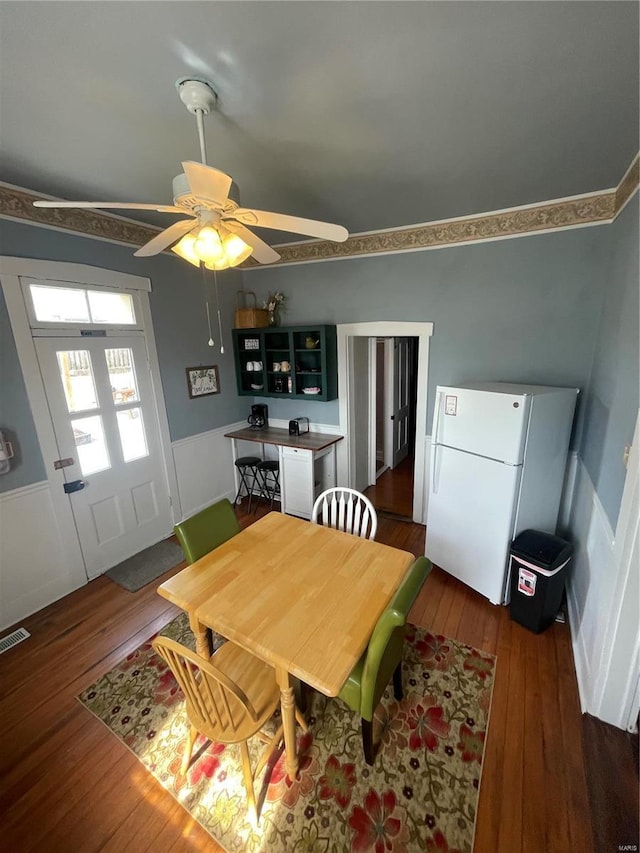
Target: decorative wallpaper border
point(628, 185)
point(589, 210)
point(16, 203)
point(592, 209)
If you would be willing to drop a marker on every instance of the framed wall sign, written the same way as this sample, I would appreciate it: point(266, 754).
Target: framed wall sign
point(202, 381)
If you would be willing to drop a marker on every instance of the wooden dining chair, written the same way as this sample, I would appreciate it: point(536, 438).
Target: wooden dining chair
point(229, 698)
point(207, 529)
point(383, 657)
point(346, 509)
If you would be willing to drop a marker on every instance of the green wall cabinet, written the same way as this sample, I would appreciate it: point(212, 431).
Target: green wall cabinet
point(296, 362)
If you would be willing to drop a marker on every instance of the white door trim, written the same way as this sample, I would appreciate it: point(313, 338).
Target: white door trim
point(373, 397)
point(11, 269)
point(346, 380)
point(616, 697)
point(389, 345)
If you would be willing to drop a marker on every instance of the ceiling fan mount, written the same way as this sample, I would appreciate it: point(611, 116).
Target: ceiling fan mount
point(215, 234)
point(197, 94)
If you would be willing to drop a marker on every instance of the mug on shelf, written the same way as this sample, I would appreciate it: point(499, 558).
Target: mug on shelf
point(285, 366)
point(249, 365)
point(257, 365)
point(276, 366)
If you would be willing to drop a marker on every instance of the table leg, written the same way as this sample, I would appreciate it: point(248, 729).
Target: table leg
point(202, 635)
point(288, 707)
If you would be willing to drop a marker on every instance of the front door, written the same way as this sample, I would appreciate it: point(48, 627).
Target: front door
point(102, 408)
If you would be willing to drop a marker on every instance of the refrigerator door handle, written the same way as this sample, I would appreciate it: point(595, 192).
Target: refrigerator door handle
point(434, 460)
point(436, 421)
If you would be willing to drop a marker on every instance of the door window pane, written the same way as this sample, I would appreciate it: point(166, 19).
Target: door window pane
point(132, 437)
point(60, 304)
point(122, 376)
point(113, 308)
point(90, 442)
point(76, 374)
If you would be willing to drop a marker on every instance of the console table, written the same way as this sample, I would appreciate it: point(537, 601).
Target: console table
point(307, 464)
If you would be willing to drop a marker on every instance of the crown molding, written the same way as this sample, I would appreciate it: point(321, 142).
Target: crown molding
point(627, 186)
point(598, 208)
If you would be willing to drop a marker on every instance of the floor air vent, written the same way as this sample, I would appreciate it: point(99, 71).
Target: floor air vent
point(13, 639)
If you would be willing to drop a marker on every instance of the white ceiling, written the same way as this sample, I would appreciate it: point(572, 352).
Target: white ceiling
point(370, 114)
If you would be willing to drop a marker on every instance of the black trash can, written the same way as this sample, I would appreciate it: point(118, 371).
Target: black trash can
point(538, 564)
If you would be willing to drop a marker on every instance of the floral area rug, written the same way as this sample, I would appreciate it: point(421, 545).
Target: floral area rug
point(421, 793)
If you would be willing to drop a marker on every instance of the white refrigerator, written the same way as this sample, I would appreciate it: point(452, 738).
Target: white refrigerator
point(498, 458)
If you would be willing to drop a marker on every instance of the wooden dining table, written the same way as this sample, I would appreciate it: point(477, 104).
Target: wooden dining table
point(301, 597)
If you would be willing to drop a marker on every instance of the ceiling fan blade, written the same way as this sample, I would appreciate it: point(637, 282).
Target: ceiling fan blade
point(295, 224)
point(262, 252)
point(165, 238)
point(115, 205)
point(206, 182)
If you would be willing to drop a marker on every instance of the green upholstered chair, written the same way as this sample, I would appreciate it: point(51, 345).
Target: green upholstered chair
point(207, 529)
point(383, 656)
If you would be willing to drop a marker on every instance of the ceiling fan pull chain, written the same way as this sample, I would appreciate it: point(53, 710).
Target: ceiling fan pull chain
point(203, 150)
point(215, 284)
point(210, 342)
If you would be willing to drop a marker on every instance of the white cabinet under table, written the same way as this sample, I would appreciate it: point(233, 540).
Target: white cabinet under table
point(307, 463)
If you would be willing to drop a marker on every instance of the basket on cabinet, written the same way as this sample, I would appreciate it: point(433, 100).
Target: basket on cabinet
point(249, 316)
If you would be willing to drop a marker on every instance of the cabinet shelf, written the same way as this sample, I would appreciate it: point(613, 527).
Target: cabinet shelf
point(310, 367)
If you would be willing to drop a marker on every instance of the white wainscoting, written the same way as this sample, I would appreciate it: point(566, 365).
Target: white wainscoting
point(34, 569)
point(590, 584)
point(204, 468)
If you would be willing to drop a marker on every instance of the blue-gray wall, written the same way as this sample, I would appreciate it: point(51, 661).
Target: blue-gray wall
point(557, 309)
point(179, 321)
point(612, 400)
point(522, 310)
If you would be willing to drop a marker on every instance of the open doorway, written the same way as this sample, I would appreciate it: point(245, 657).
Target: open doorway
point(358, 401)
point(393, 368)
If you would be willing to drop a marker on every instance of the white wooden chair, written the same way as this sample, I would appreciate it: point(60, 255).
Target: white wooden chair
point(346, 509)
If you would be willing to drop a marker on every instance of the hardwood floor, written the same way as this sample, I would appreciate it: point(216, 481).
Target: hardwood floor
point(611, 757)
point(69, 785)
point(393, 490)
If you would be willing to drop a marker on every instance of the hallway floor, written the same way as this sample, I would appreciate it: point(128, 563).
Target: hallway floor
point(393, 491)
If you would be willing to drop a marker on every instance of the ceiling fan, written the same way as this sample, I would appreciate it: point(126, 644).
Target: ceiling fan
point(215, 231)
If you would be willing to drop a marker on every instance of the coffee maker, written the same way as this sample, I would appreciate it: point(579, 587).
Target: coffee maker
point(259, 417)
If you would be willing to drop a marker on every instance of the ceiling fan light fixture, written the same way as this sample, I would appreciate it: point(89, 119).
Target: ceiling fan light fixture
point(208, 245)
point(216, 247)
point(221, 264)
point(185, 248)
point(235, 249)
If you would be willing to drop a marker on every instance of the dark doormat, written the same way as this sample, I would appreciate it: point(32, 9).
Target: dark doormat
point(142, 568)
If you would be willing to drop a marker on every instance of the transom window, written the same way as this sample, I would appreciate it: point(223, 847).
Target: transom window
point(67, 305)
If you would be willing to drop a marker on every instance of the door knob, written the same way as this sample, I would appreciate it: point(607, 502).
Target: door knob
point(74, 486)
